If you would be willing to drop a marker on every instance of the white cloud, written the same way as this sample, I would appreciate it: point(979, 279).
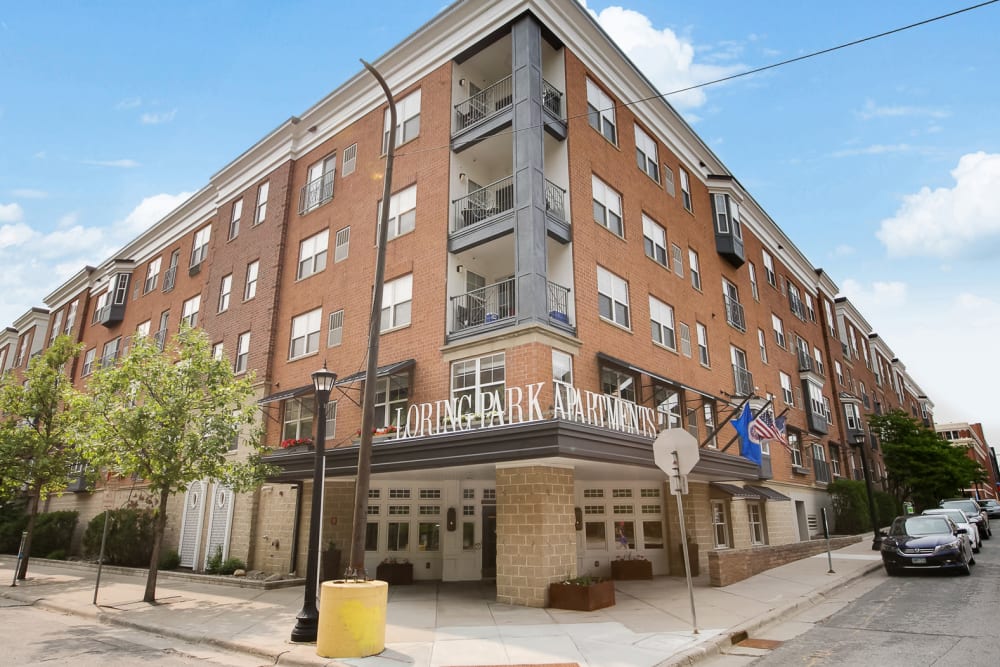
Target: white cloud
point(14, 235)
point(947, 222)
point(11, 212)
point(876, 297)
point(129, 103)
point(150, 211)
point(28, 193)
point(873, 110)
point(666, 58)
point(874, 149)
point(67, 220)
point(123, 164)
point(157, 118)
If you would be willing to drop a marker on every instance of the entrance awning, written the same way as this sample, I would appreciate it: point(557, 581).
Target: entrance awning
point(769, 494)
point(390, 369)
point(736, 491)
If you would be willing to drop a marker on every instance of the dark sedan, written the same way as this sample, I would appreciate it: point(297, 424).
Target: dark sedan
point(921, 542)
point(991, 506)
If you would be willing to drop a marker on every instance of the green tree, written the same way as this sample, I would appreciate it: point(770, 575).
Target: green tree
point(171, 418)
point(41, 419)
point(921, 466)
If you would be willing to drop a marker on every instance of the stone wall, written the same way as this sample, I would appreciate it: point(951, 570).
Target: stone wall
point(727, 566)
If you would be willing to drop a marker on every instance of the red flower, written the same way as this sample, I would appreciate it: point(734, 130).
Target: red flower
point(292, 442)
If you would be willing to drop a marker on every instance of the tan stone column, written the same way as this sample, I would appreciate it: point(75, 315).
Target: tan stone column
point(536, 535)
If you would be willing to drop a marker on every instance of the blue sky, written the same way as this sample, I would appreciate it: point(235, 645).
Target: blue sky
point(881, 162)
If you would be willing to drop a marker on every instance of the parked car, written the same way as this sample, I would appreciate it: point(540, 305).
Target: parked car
point(922, 542)
point(991, 506)
point(962, 521)
point(973, 511)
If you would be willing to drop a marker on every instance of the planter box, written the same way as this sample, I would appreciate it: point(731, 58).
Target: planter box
point(631, 569)
point(395, 573)
point(578, 597)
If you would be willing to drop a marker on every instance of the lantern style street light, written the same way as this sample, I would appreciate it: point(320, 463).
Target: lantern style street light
point(307, 620)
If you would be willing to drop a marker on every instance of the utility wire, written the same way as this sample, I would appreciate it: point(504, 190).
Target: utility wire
point(755, 70)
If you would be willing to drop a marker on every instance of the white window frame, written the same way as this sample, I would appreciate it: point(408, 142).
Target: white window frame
point(253, 273)
point(752, 271)
point(88, 362)
point(312, 254)
point(489, 375)
point(234, 218)
point(199, 248)
point(839, 371)
point(795, 447)
point(762, 343)
point(685, 189)
point(646, 154)
point(304, 339)
point(654, 241)
point(677, 255)
point(610, 203)
point(786, 389)
point(402, 213)
point(601, 112)
point(56, 329)
point(685, 335)
point(397, 303)
point(661, 317)
point(769, 268)
point(225, 289)
point(755, 518)
point(703, 357)
point(189, 311)
point(335, 328)
point(407, 121)
point(342, 245)
point(71, 316)
point(242, 353)
point(779, 331)
point(152, 275)
point(720, 524)
point(612, 295)
point(694, 265)
point(818, 356)
point(350, 160)
point(260, 209)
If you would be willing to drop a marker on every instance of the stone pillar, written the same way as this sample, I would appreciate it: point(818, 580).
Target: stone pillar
point(536, 534)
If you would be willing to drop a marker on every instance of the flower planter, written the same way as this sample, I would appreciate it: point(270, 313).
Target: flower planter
point(395, 573)
point(631, 569)
point(582, 597)
point(296, 449)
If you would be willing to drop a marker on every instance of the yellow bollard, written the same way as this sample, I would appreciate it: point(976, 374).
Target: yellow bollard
point(351, 619)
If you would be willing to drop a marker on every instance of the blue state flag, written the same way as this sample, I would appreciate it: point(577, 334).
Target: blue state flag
point(748, 448)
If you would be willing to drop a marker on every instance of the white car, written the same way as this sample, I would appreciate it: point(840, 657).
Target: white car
point(962, 521)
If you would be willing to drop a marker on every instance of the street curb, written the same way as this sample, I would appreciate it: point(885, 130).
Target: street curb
point(715, 645)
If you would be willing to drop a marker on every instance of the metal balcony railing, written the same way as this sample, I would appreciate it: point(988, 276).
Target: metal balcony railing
point(473, 208)
point(552, 98)
point(822, 470)
point(805, 362)
point(483, 306)
point(558, 303)
point(743, 381)
point(170, 279)
point(316, 192)
point(797, 307)
point(160, 338)
point(734, 313)
point(555, 201)
point(485, 104)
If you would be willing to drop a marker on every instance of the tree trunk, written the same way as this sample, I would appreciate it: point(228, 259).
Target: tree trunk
point(154, 560)
point(32, 514)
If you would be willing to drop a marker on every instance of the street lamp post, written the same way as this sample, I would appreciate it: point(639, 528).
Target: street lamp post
point(858, 440)
point(307, 620)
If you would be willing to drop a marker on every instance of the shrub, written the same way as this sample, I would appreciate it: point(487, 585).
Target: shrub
point(169, 560)
point(886, 508)
point(58, 554)
point(230, 565)
point(130, 537)
point(214, 563)
point(850, 507)
point(13, 521)
point(53, 532)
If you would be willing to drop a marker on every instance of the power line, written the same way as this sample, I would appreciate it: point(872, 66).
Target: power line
point(755, 70)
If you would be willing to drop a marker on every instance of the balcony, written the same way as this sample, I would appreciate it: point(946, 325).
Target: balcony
point(484, 105)
point(734, 313)
point(797, 307)
point(482, 215)
point(170, 279)
point(316, 192)
point(552, 99)
point(111, 314)
point(805, 362)
point(822, 470)
point(160, 338)
point(558, 304)
point(743, 381)
point(484, 308)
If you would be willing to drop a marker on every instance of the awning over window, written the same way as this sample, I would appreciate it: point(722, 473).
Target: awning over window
point(383, 371)
point(656, 376)
point(769, 494)
point(736, 491)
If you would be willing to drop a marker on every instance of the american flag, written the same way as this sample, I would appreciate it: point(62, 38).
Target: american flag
point(765, 427)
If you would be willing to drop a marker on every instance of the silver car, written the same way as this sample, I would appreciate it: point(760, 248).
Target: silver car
point(962, 521)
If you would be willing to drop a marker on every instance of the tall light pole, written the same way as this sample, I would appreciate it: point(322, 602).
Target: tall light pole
point(858, 440)
point(307, 620)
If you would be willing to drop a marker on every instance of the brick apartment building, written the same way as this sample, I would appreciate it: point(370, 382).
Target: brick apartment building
point(972, 438)
point(567, 273)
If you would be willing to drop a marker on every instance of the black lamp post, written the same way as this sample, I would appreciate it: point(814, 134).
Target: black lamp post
point(307, 620)
point(858, 440)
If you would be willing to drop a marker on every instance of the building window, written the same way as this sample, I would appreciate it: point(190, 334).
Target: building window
point(407, 121)
point(312, 254)
point(835, 460)
point(685, 188)
point(71, 316)
point(218, 352)
point(397, 301)
point(818, 356)
point(735, 316)
point(820, 468)
point(319, 184)
point(827, 411)
point(298, 420)
point(342, 244)
point(779, 330)
point(601, 112)
point(152, 274)
point(170, 277)
point(607, 206)
point(305, 334)
point(88, 362)
point(654, 240)
point(101, 304)
point(769, 268)
point(392, 395)
point(250, 291)
point(695, 269)
point(56, 326)
point(756, 518)
point(678, 256)
point(685, 332)
point(839, 371)
point(668, 180)
point(752, 270)
point(618, 384)
point(402, 212)
point(853, 418)
point(811, 309)
point(795, 447)
point(110, 354)
point(786, 389)
point(720, 525)
point(242, 352)
point(200, 249)
point(189, 311)
point(612, 298)
point(816, 399)
point(562, 372)
point(224, 290)
point(335, 331)
point(645, 154)
point(795, 302)
point(234, 219)
point(761, 337)
point(350, 160)
point(830, 322)
point(702, 344)
point(668, 406)
point(474, 379)
point(661, 317)
point(260, 210)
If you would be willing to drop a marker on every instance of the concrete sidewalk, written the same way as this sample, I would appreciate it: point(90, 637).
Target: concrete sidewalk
point(443, 624)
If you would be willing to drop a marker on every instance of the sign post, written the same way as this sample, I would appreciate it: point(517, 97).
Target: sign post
point(675, 452)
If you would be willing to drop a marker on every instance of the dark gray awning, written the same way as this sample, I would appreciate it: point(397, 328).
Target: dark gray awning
point(736, 491)
point(390, 369)
point(656, 376)
point(769, 494)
